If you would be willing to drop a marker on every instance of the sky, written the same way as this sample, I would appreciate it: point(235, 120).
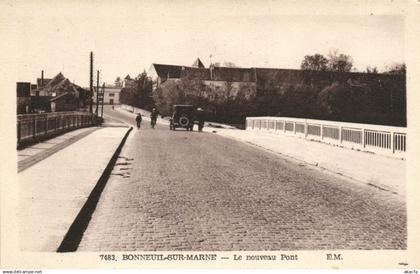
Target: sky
point(128, 36)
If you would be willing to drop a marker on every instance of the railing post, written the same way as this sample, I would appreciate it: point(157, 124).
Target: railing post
point(284, 126)
point(294, 127)
point(322, 132)
point(393, 141)
point(305, 129)
point(19, 128)
point(46, 125)
point(34, 128)
point(363, 138)
point(340, 134)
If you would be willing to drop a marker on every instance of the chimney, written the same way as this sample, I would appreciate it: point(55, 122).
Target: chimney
point(42, 78)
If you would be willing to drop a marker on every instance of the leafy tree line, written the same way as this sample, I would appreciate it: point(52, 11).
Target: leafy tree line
point(139, 93)
point(339, 62)
point(334, 62)
point(375, 102)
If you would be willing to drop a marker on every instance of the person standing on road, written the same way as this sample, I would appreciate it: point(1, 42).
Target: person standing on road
point(200, 118)
point(153, 117)
point(138, 120)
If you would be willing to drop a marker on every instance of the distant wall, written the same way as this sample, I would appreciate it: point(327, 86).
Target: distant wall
point(230, 89)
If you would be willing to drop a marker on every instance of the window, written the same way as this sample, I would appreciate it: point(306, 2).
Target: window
point(111, 95)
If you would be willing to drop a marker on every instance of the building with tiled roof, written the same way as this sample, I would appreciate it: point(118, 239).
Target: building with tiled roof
point(198, 64)
point(162, 72)
point(219, 79)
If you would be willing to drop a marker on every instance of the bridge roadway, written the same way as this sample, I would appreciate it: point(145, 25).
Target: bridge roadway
point(178, 191)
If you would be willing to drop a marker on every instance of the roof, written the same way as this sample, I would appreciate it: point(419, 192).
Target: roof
point(196, 73)
point(168, 71)
point(213, 73)
point(46, 81)
point(233, 74)
point(198, 64)
point(60, 84)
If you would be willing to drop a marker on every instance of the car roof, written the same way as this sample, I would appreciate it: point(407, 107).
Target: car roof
point(186, 106)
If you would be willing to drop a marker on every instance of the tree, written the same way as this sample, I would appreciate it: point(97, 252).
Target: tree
point(339, 62)
point(229, 64)
point(370, 69)
point(118, 82)
point(396, 68)
point(140, 94)
point(314, 62)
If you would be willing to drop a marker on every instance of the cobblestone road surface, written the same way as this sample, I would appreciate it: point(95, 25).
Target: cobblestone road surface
point(199, 191)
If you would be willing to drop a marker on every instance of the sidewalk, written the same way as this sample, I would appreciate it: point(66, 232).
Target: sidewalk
point(380, 171)
point(39, 151)
point(54, 188)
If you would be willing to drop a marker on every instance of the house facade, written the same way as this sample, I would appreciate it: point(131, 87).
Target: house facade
point(111, 95)
point(220, 81)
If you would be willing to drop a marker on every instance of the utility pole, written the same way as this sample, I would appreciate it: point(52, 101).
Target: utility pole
point(97, 93)
point(91, 82)
point(103, 94)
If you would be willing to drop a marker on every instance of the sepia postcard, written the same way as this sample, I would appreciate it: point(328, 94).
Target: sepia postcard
point(210, 134)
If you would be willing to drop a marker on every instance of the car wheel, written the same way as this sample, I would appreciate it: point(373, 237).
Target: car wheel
point(184, 121)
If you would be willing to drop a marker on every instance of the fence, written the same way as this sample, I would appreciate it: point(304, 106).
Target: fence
point(365, 137)
point(33, 127)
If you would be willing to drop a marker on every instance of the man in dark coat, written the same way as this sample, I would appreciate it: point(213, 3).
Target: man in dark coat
point(200, 118)
point(138, 120)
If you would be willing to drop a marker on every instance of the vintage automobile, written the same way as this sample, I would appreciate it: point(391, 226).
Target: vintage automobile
point(182, 117)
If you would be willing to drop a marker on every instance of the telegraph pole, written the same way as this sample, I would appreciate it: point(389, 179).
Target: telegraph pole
point(91, 83)
point(97, 93)
point(103, 94)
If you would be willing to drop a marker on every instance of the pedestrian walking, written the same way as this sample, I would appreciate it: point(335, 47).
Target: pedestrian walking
point(138, 120)
point(153, 117)
point(200, 118)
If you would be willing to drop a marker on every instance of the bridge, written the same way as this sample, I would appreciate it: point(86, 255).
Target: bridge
point(281, 184)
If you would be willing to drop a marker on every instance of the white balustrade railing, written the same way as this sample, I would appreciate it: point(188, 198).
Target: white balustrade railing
point(365, 137)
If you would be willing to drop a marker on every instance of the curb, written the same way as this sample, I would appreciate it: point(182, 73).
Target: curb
point(75, 232)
